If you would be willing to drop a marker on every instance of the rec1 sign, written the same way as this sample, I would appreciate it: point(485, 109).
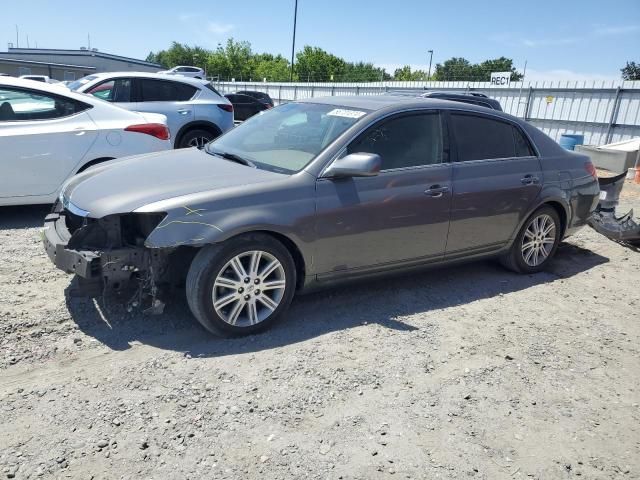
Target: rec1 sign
point(501, 79)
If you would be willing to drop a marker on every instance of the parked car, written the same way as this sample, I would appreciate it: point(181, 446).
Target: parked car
point(185, 71)
point(245, 106)
point(49, 134)
point(39, 78)
point(316, 192)
point(472, 98)
point(261, 96)
point(196, 113)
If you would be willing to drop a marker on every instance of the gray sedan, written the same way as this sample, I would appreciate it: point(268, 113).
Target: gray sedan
point(316, 192)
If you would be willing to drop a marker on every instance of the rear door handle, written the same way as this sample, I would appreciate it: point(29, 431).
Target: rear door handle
point(529, 180)
point(436, 190)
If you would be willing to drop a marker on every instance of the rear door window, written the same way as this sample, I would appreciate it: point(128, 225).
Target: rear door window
point(152, 90)
point(482, 138)
point(114, 90)
point(404, 141)
point(18, 104)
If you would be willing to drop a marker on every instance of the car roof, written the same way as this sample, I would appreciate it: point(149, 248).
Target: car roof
point(56, 89)
point(35, 85)
point(160, 76)
point(374, 103)
point(378, 102)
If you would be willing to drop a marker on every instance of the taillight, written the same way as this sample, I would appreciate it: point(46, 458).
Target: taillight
point(226, 107)
point(157, 130)
point(268, 106)
point(591, 169)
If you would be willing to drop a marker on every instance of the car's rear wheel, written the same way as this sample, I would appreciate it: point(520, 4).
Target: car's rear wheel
point(536, 243)
point(196, 138)
point(241, 286)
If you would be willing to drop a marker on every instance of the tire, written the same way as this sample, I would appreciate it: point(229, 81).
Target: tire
point(523, 260)
point(215, 265)
point(196, 138)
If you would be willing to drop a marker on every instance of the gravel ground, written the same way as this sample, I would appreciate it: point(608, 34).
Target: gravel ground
point(464, 372)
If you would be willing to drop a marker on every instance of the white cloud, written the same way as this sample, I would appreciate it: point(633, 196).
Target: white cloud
point(219, 28)
point(616, 29)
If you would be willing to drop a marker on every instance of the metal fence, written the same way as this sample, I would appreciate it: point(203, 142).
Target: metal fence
point(604, 112)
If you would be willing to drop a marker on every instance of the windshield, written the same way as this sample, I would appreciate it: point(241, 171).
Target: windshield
point(286, 138)
point(80, 82)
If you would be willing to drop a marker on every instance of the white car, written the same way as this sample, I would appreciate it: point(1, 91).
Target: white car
point(39, 78)
point(48, 134)
point(185, 71)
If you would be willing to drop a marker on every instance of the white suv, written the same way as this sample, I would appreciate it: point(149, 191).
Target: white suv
point(185, 71)
point(196, 113)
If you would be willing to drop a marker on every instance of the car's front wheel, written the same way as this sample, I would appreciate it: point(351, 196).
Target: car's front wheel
point(536, 243)
point(241, 286)
point(195, 138)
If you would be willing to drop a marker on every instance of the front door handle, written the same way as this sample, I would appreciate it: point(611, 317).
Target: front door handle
point(436, 191)
point(184, 112)
point(529, 180)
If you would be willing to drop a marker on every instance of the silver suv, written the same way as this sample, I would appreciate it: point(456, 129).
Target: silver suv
point(196, 113)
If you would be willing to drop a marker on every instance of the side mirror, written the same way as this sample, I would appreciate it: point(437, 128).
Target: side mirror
point(355, 165)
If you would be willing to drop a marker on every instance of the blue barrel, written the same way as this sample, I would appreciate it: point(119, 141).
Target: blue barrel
point(570, 140)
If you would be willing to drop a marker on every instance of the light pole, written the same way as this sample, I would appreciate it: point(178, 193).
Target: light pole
point(293, 42)
point(430, 52)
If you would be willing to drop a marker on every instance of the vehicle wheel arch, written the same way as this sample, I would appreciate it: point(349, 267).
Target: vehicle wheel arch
point(557, 202)
point(195, 125)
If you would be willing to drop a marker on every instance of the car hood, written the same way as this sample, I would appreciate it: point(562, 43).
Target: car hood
point(126, 184)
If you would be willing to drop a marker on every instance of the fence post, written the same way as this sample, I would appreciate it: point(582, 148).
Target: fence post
point(333, 90)
point(527, 106)
point(313, 90)
point(279, 94)
point(295, 92)
point(614, 115)
point(357, 89)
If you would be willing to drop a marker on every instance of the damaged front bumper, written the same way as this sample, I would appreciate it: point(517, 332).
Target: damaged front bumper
point(114, 266)
point(622, 229)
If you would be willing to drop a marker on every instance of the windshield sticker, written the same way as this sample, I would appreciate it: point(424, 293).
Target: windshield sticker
point(340, 112)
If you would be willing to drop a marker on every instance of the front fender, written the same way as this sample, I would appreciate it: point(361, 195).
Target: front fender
point(198, 225)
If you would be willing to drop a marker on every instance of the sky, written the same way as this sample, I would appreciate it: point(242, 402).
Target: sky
point(558, 39)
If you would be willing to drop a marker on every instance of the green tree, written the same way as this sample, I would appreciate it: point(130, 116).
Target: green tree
point(456, 68)
point(631, 71)
point(363, 72)
point(316, 65)
point(405, 74)
point(273, 68)
point(461, 69)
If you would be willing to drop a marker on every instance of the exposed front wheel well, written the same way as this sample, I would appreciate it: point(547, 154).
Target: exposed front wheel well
point(91, 163)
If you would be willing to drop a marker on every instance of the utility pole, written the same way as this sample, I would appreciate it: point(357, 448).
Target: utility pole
point(293, 42)
point(430, 52)
point(17, 37)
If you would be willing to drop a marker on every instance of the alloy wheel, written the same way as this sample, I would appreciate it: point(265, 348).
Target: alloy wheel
point(538, 240)
point(199, 142)
point(249, 288)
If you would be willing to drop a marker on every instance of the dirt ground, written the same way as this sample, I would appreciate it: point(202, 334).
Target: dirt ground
point(464, 372)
